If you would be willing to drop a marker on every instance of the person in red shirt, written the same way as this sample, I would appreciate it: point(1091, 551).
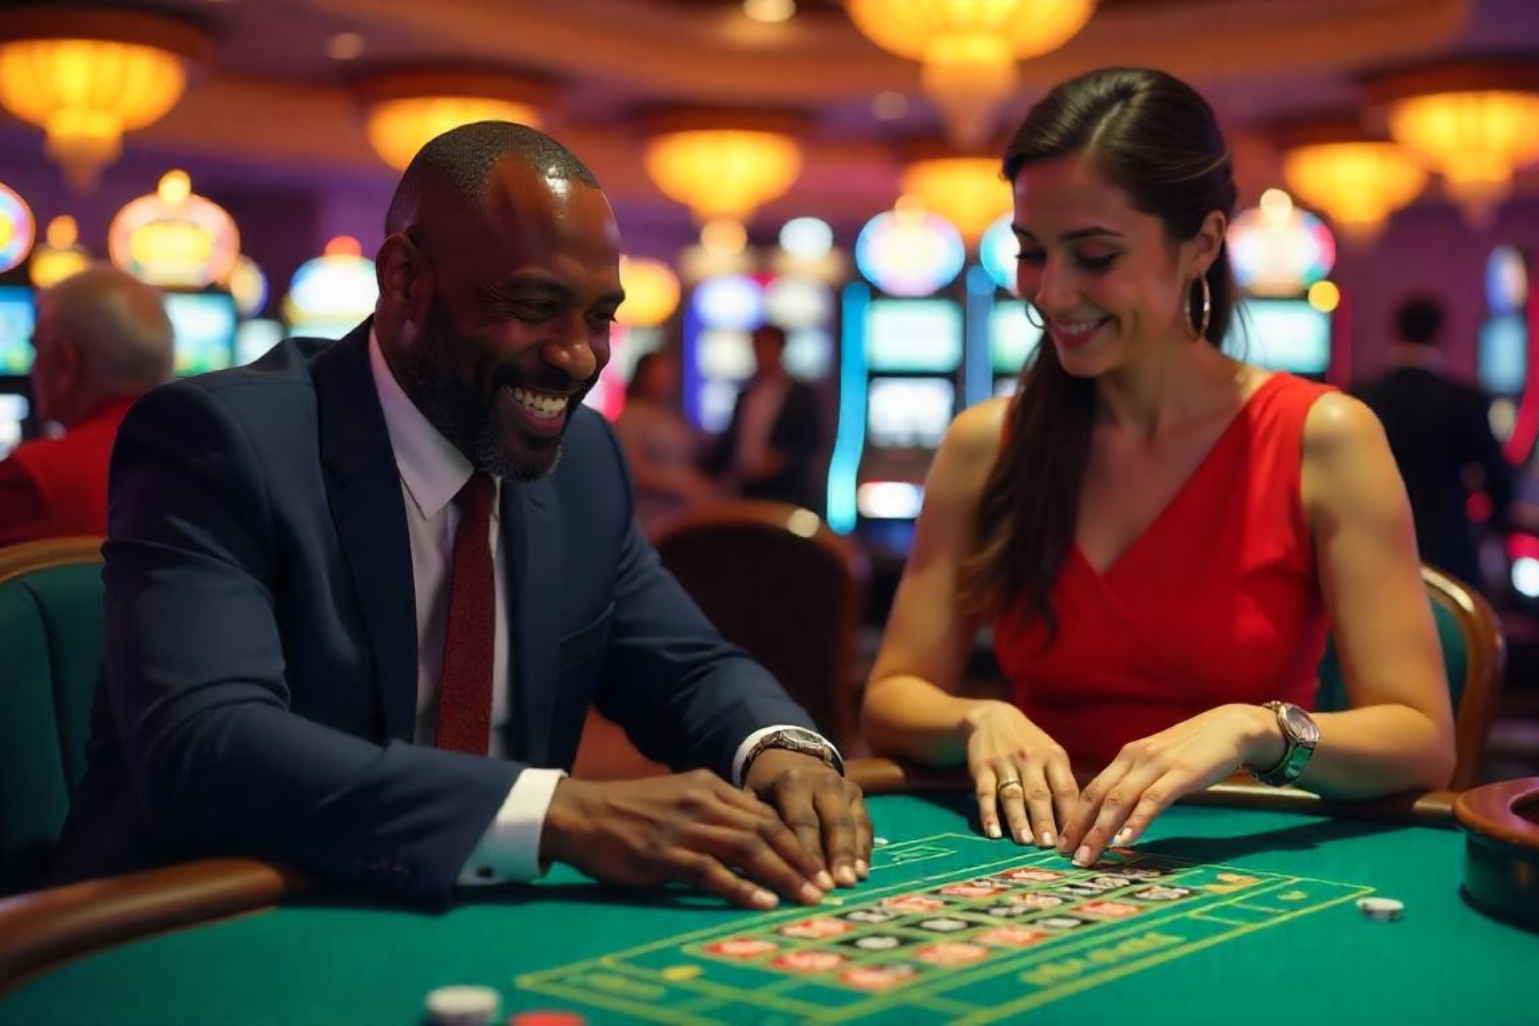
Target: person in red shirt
point(1160, 535)
point(102, 339)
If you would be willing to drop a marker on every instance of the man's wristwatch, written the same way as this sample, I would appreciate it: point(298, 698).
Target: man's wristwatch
point(796, 739)
point(1301, 733)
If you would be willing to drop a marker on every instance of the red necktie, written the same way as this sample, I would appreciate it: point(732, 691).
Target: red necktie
point(465, 700)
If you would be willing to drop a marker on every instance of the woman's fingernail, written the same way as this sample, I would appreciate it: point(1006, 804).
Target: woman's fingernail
point(862, 869)
point(1122, 836)
point(1082, 856)
point(765, 899)
point(1047, 838)
point(823, 880)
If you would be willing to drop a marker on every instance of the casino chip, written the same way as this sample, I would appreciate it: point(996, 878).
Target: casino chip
point(1380, 909)
point(463, 1006)
point(548, 1019)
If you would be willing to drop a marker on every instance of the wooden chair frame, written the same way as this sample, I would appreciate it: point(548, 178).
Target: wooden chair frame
point(807, 524)
point(1485, 659)
point(29, 557)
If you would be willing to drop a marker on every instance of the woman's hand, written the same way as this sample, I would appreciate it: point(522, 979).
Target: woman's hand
point(1019, 773)
point(1147, 775)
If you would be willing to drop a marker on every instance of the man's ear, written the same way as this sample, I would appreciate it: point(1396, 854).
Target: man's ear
point(405, 280)
point(68, 367)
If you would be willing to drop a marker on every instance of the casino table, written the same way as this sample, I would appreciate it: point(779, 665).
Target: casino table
point(1238, 906)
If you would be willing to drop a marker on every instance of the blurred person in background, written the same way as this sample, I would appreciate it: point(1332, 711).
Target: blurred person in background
point(1439, 430)
point(102, 339)
point(662, 447)
point(775, 431)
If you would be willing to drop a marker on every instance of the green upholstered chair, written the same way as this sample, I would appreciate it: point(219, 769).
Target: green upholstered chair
point(50, 656)
point(1474, 656)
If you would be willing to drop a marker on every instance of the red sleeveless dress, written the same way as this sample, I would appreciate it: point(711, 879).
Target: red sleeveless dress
point(1217, 601)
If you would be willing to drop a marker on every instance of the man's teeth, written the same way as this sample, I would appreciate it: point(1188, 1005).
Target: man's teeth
point(539, 403)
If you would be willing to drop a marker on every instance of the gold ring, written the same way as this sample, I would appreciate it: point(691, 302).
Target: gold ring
point(1007, 784)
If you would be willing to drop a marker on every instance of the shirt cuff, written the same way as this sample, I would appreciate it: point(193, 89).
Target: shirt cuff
point(753, 739)
point(509, 851)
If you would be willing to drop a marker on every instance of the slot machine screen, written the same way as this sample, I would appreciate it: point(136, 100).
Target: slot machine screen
point(1283, 335)
point(921, 336)
point(17, 318)
point(1502, 355)
point(909, 413)
point(255, 337)
point(13, 421)
point(1012, 338)
point(203, 324)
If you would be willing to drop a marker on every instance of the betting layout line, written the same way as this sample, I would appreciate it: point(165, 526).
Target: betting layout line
point(1026, 960)
point(769, 998)
point(1117, 972)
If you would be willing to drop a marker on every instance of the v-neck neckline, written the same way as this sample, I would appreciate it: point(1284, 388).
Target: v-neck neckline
point(1240, 415)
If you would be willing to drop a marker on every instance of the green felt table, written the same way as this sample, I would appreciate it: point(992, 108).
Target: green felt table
point(1269, 933)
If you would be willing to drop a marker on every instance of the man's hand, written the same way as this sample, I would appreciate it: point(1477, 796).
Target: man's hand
point(693, 828)
point(825, 810)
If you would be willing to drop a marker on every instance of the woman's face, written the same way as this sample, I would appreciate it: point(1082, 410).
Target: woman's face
point(1107, 281)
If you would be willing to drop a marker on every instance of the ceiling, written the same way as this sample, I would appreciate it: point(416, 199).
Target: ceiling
point(272, 106)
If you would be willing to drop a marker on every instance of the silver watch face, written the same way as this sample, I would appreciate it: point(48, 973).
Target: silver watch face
point(1300, 725)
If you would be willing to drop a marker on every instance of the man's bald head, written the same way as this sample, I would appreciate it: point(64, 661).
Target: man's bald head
point(101, 334)
point(458, 166)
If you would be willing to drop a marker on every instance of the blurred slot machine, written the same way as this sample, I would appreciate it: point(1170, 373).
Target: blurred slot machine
point(1290, 317)
point(203, 326)
point(331, 295)
point(1001, 341)
point(1282, 334)
point(255, 337)
point(17, 317)
point(902, 371)
point(1507, 351)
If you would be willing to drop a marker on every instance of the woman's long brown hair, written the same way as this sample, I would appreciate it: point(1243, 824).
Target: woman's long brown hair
point(1154, 137)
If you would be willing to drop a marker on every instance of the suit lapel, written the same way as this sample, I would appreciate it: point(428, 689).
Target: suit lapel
point(363, 486)
point(532, 557)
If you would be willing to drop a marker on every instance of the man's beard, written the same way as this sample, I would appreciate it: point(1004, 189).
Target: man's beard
point(466, 418)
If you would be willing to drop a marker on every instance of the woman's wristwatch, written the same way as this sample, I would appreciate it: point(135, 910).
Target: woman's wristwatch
point(1301, 734)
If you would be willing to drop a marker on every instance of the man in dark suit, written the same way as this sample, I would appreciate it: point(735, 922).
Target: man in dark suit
point(774, 434)
point(359, 600)
point(1439, 431)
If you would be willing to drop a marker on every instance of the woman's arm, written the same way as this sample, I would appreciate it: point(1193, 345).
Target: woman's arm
point(1398, 733)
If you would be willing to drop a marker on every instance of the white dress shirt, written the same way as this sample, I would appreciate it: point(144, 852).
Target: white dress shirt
point(432, 473)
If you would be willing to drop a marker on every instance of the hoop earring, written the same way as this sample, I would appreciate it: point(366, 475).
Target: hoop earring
point(1200, 330)
point(1039, 325)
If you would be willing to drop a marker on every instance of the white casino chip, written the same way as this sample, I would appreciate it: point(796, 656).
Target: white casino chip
point(463, 1006)
point(1382, 909)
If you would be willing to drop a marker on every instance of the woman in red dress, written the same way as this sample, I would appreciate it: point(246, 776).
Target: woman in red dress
point(1159, 535)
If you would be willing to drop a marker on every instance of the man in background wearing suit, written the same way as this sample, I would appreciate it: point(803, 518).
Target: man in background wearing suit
point(101, 340)
point(359, 597)
point(1440, 433)
point(774, 434)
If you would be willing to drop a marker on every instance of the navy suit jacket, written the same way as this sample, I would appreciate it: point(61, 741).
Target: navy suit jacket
point(260, 662)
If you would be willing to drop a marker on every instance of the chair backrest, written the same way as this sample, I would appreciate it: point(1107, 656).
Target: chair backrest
point(1474, 656)
point(778, 582)
point(50, 648)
